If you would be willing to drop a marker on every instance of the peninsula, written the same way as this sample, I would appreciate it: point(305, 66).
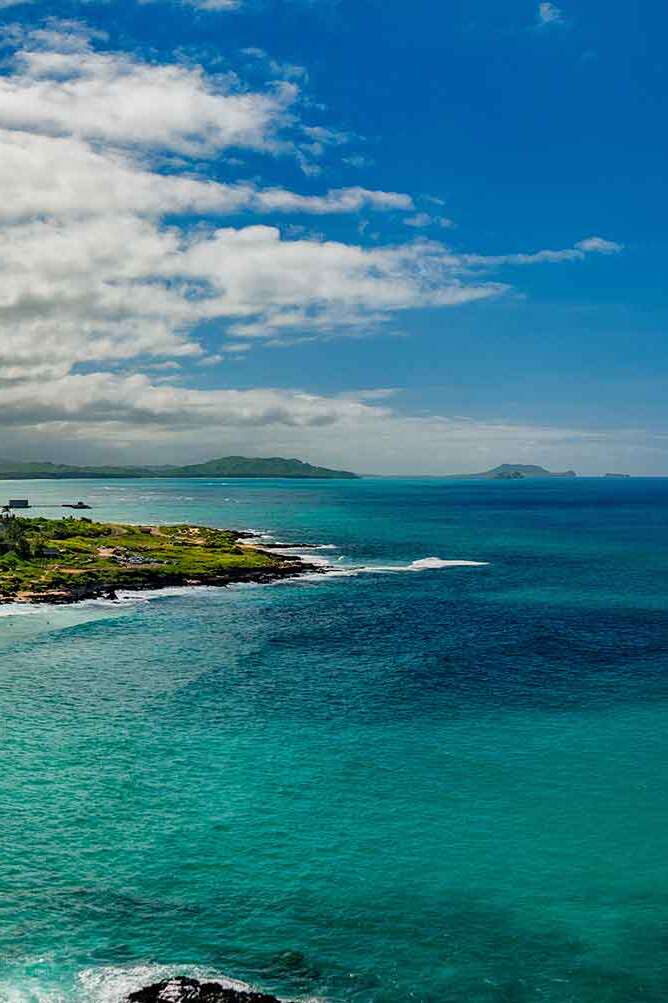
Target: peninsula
point(224, 466)
point(67, 560)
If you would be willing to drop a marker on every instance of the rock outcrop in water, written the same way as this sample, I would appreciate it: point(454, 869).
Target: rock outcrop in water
point(183, 990)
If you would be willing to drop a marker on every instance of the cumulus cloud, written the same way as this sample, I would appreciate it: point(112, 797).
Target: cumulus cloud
point(99, 288)
point(66, 176)
point(62, 87)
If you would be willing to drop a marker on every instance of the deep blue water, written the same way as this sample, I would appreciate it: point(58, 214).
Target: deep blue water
point(433, 785)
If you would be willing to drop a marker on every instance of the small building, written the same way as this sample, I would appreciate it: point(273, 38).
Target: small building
point(18, 503)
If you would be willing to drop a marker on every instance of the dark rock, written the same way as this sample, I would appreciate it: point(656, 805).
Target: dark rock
point(292, 961)
point(183, 990)
point(296, 963)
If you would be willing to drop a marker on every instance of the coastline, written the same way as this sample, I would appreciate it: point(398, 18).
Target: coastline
point(74, 560)
point(235, 557)
point(74, 594)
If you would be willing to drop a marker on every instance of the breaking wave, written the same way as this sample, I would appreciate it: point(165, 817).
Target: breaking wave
point(106, 984)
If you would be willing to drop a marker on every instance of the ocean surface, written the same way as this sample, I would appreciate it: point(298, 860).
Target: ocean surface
point(405, 782)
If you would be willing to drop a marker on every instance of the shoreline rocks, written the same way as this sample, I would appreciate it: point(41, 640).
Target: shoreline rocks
point(88, 560)
point(184, 990)
point(66, 595)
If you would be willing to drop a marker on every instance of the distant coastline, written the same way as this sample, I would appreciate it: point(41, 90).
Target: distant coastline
point(224, 466)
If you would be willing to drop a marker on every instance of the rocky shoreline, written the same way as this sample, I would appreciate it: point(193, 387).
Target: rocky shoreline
point(68, 561)
point(73, 594)
point(183, 990)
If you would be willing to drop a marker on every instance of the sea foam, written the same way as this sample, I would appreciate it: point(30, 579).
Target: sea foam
point(107, 984)
point(306, 553)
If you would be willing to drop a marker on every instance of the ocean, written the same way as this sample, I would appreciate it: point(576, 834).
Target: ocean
point(409, 781)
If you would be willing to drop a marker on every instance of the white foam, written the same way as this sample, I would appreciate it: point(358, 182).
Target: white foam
point(125, 597)
point(307, 555)
point(423, 564)
point(320, 562)
point(31, 992)
point(336, 571)
point(19, 609)
point(427, 564)
point(145, 595)
point(301, 546)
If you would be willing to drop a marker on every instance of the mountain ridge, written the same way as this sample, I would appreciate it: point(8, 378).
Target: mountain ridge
point(224, 466)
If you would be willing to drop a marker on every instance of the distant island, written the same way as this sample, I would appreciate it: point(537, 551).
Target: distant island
point(225, 466)
point(67, 560)
point(516, 472)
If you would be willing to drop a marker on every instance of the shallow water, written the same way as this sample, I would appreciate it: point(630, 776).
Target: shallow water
point(442, 783)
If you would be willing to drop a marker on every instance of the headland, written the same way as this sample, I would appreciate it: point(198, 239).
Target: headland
point(71, 559)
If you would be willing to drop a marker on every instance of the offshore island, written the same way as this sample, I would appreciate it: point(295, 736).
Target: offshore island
point(71, 559)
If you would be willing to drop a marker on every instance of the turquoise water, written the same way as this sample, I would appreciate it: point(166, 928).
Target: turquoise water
point(433, 785)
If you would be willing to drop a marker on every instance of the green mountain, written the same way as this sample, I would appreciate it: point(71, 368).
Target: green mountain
point(518, 471)
point(226, 466)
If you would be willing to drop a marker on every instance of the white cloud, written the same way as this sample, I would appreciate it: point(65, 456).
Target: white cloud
point(549, 13)
point(422, 219)
point(100, 288)
point(105, 399)
point(61, 87)
point(108, 254)
point(65, 176)
point(599, 245)
point(590, 245)
point(337, 200)
point(214, 5)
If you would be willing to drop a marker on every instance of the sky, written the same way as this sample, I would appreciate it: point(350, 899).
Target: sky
point(400, 238)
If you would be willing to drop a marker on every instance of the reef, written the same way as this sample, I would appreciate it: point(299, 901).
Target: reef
point(183, 990)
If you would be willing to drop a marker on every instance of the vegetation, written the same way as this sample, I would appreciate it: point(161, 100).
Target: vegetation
point(226, 466)
point(74, 558)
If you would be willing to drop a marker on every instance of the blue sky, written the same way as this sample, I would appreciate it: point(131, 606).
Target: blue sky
point(402, 238)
